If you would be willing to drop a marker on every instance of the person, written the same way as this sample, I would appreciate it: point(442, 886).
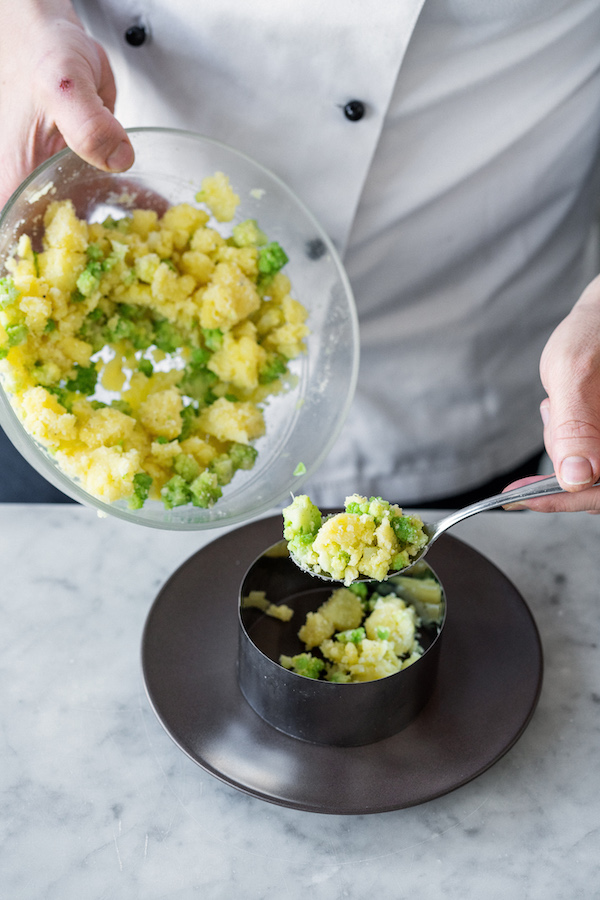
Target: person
point(450, 149)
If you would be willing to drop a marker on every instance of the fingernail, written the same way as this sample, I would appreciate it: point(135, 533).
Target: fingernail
point(545, 414)
point(576, 470)
point(121, 158)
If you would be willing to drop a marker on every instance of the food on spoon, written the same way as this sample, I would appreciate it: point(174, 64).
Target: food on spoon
point(382, 636)
point(139, 351)
point(370, 538)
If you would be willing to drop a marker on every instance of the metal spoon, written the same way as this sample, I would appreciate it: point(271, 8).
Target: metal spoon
point(536, 489)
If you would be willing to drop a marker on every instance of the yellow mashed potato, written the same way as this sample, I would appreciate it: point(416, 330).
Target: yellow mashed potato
point(364, 635)
point(139, 350)
point(370, 538)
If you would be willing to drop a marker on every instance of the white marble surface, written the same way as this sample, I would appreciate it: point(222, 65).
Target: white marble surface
point(96, 801)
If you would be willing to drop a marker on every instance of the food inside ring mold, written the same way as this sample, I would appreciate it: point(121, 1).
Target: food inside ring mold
point(306, 667)
point(140, 350)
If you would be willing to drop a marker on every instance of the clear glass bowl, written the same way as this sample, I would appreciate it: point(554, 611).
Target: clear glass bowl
point(301, 425)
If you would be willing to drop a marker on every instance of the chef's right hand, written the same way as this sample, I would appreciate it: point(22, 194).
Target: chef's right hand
point(56, 89)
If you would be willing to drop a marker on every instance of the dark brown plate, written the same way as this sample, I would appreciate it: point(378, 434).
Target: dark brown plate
point(489, 681)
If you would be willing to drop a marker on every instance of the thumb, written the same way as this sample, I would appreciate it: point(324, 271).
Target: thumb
point(81, 105)
point(570, 371)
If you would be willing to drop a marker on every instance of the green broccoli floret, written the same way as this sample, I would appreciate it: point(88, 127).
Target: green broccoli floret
point(85, 379)
point(122, 406)
point(176, 492)
point(405, 530)
point(205, 490)
point(248, 234)
point(188, 414)
point(89, 279)
point(383, 633)
point(186, 466)
point(167, 336)
point(303, 664)
point(271, 259)
point(145, 367)
point(50, 326)
point(243, 456)
point(94, 252)
point(141, 486)
point(8, 292)
point(16, 334)
point(213, 338)
point(197, 383)
point(353, 636)
point(274, 368)
point(123, 225)
point(301, 517)
point(223, 468)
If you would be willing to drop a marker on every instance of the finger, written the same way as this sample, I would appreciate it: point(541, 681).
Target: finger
point(570, 370)
point(581, 501)
point(80, 101)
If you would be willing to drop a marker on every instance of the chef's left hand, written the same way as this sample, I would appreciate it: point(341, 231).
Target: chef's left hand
point(570, 373)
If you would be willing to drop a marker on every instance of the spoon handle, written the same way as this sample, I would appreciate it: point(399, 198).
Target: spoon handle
point(536, 489)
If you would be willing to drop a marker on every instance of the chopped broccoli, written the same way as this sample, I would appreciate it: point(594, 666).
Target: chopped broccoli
point(167, 336)
point(357, 508)
point(303, 664)
point(359, 588)
point(353, 636)
point(213, 338)
point(243, 456)
point(301, 517)
point(199, 356)
point(123, 224)
point(271, 258)
point(94, 252)
point(50, 326)
point(8, 292)
point(186, 466)
point(383, 633)
point(145, 367)
point(205, 490)
point(197, 383)
point(223, 468)
point(17, 334)
point(176, 492)
point(122, 406)
point(405, 529)
point(188, 415)
point(141, 486)
point(85, 379)
point(275, 366)
point(299, 470)
point(248, 234)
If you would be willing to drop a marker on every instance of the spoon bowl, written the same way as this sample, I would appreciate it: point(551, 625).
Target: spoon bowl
point(541, 488)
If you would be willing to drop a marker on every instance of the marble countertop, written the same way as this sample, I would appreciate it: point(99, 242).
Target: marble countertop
point(96, 800)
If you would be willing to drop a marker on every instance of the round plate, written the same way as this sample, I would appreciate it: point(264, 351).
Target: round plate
point(489, 681)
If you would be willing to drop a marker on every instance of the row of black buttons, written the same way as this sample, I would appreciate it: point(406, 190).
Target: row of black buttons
point(354, 110)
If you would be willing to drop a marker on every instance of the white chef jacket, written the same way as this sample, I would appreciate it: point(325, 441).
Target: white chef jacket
point(463, 201)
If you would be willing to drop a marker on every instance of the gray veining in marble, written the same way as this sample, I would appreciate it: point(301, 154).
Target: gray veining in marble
point(97, 802)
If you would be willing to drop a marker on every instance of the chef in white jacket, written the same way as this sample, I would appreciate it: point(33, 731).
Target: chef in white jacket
point(450, 149)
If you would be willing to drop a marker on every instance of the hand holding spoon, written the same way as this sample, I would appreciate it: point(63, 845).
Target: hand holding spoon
point(539, 488)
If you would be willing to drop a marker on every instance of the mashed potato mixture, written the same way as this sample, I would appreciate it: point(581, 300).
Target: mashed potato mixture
point(139, 350)
point(371, 538)
point(364, 632)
